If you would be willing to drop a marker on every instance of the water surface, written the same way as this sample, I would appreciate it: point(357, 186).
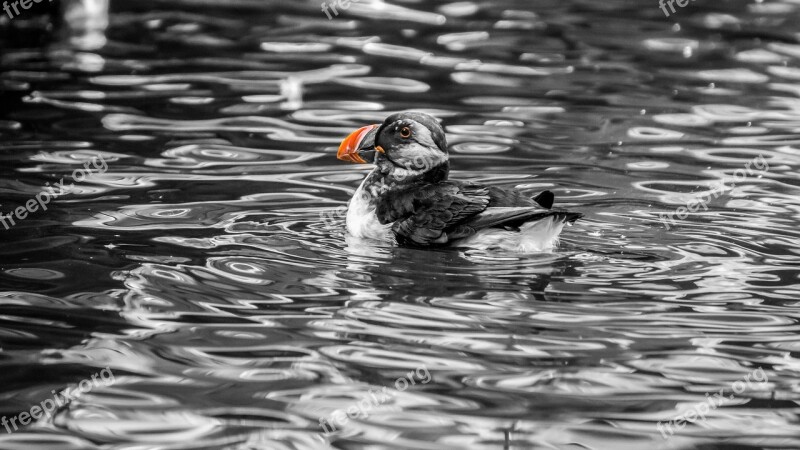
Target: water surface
point(208, 268)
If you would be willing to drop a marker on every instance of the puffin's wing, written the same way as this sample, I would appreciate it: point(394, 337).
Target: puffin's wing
point(508, 197)
point(505, 216)
point(425, 214)
point(513, 217)
point(510, 208)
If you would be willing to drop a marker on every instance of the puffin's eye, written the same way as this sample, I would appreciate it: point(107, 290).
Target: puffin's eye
point(405, 132)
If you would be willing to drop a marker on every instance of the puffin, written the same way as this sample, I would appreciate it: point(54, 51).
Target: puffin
point(408, 199)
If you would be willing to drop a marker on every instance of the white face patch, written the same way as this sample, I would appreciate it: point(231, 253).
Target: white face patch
point(417, 154)
point(421, 134)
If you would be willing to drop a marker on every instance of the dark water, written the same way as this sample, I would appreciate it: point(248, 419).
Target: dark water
point(206, 265)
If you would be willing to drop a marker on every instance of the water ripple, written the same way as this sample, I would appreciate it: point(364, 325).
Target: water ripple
point(210, 269)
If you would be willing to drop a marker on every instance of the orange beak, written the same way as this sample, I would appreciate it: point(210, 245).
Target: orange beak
point(351, 147)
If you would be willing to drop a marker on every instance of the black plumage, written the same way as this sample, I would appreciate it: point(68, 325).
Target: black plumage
point(412, 195)
point(437, 213)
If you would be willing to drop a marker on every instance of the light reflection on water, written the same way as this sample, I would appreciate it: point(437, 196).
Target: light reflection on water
point(208, 266)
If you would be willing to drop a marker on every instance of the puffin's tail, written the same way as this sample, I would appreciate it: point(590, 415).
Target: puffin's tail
point(545, 199)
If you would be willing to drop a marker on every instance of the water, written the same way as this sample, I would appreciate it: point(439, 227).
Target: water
point(207, 268)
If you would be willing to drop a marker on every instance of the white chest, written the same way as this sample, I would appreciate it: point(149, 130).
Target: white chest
point(362, 222)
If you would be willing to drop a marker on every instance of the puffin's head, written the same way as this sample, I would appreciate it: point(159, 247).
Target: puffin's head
point(410, 141)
